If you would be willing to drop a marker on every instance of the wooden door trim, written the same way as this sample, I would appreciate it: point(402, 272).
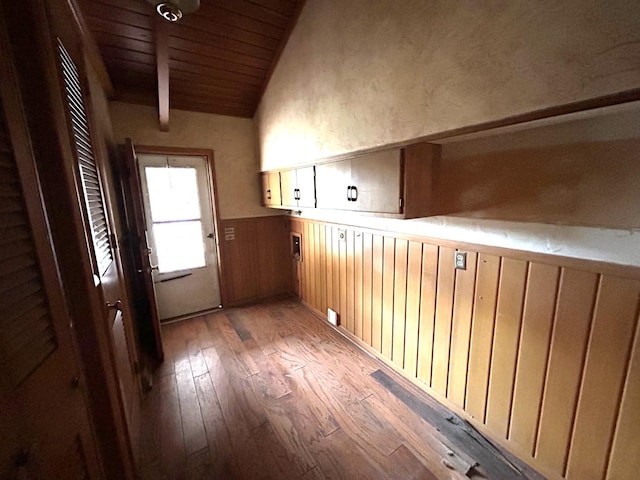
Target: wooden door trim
point(213, 190)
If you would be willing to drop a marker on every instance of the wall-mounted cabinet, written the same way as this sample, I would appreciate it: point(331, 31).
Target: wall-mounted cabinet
point(271, 196)
point(298, 187)
point(396, 182)
point(367, 183)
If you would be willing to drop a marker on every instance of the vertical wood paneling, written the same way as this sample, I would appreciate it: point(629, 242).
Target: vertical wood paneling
point(342, 245)
point(323, 268)
point(442, 330)
point(258, 258)
point(624, 461)
point(399, 302)
point(335, 267)
point(309, 273)
point(367, 249)
point(428, 290)
point(564, 371)
point(387, 295)
point(357, 285)
point(483, 322)
point(350, 281)
point(414, 278)
point(317, 262)
point(537, 319)
point(461, 330)
point(541, 355)
point(376, 292)
point(611, 335)
point(506, 336)
point(329, 263)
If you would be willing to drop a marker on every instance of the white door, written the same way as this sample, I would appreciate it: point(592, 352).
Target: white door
point(178, 206)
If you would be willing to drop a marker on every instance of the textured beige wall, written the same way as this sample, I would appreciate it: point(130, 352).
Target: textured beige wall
point(362, 73)
point(584, 172)
point(232, 140)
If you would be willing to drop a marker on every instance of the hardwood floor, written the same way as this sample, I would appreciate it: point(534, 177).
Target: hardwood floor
point(270, 391)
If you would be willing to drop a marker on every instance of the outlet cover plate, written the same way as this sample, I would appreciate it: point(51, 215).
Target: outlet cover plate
point(461, 260)
point(332, 317)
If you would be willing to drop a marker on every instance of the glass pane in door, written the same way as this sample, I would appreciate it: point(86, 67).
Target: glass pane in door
point(179, 245)
point(176, 218)
point(173, 193)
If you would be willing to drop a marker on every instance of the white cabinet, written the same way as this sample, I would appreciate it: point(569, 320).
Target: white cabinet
point(298, 187)
point(367, 183)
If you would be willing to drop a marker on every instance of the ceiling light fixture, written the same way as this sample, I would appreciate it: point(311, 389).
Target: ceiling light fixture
point(173, 10)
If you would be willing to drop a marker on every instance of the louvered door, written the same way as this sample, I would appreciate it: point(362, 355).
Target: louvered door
point(45, 431)
point(106, 270)
point(86, 161)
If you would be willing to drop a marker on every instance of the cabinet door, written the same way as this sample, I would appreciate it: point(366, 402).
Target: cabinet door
point(271, 189)
point(288, 186)
point(266, 191)
point(306, 184)
point(332, 182)
point(274, 184)
point(376, 178)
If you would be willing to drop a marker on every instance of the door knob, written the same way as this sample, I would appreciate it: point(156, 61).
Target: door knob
point(117, 306)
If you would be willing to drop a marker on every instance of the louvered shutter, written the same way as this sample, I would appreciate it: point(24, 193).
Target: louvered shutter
point(26, 330)
point(86, 161)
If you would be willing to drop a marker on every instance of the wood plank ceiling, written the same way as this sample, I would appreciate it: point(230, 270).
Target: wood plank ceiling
point(220, 58)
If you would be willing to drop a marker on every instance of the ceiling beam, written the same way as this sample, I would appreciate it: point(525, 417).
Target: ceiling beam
point(162, 67)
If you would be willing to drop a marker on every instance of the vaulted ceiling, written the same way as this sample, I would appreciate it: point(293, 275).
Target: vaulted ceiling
point(216, 60)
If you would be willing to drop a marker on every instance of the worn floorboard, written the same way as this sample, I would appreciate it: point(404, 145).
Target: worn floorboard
point(270, 391)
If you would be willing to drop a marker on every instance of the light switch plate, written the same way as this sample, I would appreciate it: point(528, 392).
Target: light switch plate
point(461, 260)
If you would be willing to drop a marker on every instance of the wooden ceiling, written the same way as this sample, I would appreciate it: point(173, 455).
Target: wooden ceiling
point(216, 60)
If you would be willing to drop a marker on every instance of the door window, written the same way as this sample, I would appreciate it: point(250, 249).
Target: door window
point(176, 217)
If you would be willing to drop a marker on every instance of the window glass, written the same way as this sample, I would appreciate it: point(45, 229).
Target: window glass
point(179, 245)
point(173, 193)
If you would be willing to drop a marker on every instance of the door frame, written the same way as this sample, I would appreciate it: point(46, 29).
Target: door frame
point(213, 189)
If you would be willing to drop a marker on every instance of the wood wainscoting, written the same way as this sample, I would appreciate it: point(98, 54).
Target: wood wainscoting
point(541, 353)
point(255, 259)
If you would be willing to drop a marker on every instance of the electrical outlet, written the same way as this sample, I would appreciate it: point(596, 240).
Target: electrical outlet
point(342, 235)
point(461, 260)
point(332, 317)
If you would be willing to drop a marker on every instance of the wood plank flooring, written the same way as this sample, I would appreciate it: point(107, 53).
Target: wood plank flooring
point(271, 392)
